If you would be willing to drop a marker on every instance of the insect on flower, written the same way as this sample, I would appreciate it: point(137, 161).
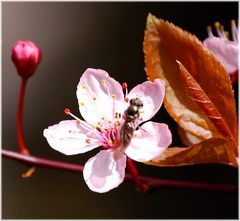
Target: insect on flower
point(113, 121)
point(131, 117)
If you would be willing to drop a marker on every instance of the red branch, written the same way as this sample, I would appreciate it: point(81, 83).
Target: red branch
point(153, 183)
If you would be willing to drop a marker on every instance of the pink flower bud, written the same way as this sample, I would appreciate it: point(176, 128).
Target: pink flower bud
point(26, 56)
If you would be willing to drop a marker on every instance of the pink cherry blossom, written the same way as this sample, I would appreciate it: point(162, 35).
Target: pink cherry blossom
point(102, 103)
point(224, 49)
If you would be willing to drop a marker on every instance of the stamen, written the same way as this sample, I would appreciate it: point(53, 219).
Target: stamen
point(114, 95)
point(234, 31)
point(222, 31)
point(67, 111)
point(217, 26)
point(226, 33)
point(125, 87)
point(209, 31)
point(117, 123)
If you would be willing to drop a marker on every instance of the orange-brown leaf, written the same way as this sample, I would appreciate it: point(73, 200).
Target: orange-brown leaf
point(197, 94)
point(187, 138)
point(161, 64)
point(214, 150)
point(165, 43)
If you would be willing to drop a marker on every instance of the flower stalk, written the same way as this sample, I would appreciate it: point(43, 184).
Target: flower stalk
point(20, 137)
point(141, 186)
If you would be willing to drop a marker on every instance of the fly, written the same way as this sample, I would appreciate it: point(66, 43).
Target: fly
point(131, 116)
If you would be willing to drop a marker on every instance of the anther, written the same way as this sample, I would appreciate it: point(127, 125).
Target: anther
point(67, 111)
point(114, 95)
point(88, 141)
point(84, 87)
point(110, 142)
point(104, 82)
point(124, 85)
point(126, 99)
point(233, 23)
point(217, 24)
point(117, 123)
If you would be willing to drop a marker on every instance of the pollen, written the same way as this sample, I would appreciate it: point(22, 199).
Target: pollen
point(67, 111)
point(117, 123)
point(233, 22)
point(84, 87)
point(88, 141)
point(104, 82)
point(114, 95)
point(110, 142)
point(217, 24)
point(124, 85)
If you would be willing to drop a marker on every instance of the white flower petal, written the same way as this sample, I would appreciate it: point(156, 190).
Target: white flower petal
point(99, 96)
point(105, 171)
point(69, 137)
point(149, 142)
point(151, 94)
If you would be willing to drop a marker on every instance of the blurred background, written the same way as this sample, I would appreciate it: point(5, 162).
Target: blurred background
point(108, 35)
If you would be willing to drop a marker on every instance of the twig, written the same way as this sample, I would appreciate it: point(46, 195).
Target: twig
point(153, 183)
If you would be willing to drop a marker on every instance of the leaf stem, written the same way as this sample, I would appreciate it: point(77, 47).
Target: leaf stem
point(153, 183)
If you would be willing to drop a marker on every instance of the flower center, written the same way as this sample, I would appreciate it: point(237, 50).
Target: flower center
point(105, 130)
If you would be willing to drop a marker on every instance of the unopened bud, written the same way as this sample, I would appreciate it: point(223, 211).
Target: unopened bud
point(26, 56)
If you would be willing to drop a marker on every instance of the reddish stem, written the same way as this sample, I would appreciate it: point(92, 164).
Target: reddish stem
point(234, 77)
point(153, 183)
point(22, 147)
point(135, 175)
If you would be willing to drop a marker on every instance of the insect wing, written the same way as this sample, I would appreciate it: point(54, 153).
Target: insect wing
point(126, 133)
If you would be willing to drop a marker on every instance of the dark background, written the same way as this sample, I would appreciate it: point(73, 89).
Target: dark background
point(107, 35)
